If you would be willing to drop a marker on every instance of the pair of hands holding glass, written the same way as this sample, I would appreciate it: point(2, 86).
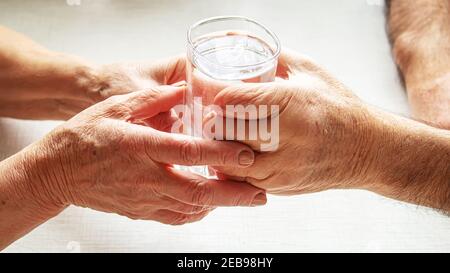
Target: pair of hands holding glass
point(117, 155)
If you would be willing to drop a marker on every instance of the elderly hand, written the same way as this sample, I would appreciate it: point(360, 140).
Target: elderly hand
point(323, 141)
point(122, 78)
point(104, 160)
point(46, 85)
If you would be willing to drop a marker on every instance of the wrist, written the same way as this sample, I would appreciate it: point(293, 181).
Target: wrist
point(409, 161)
point(22, 193)
point(33, 174)
point(23, 202)
point(358, 145)
point(76, 78)
point(42, 74)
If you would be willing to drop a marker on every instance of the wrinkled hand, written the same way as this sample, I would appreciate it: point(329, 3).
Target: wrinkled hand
point(123, 78)
point(76, 85)
point(104, 160)
point(323, 140)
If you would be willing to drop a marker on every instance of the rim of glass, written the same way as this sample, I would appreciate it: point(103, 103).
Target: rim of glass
point(275, 55)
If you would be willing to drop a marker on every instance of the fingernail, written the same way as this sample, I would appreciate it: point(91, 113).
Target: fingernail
point(246, 158)
point(260, 199)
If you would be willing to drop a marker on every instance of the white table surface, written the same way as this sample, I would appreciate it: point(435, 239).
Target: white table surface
point(347, 36)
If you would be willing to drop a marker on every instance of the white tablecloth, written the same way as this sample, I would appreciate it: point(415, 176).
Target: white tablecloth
point(347, 36)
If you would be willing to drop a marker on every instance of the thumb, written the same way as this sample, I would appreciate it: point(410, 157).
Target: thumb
point(291, 62)
point(144, 104)
point(169, 71)
point(189, 151)
point(149, 103)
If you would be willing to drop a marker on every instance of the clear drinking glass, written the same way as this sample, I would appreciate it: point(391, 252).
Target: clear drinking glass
point(222, 51)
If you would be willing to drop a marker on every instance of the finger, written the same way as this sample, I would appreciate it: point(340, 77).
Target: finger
point(180, 207)
point(175, 218)
point(181, 149)
point(190, 151)
point(258, 134)
point(143, 104)
point(163, 121)
point(222, 176)
point(197, 190)
point(169, 71)
point(260, 170)
point(253, 101)
point(206, 87)
point(290, 62)
point(143, 207)
point(149, 103)
point(188, 209)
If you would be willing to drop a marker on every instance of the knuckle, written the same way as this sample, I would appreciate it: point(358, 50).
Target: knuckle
point(114, 100)
point(196, 209)
point(180, 219)
point(150, 94)
point(241, 200)
point(148, 146)
point(202, 194)
point(193, 209)
point(153, 93)
point(190, 152)
point(187, 209)
point(115, 106)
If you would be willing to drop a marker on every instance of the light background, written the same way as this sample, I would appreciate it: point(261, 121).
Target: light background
point(347, 36)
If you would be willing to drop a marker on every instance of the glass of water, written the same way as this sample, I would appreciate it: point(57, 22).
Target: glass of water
point(222, 51)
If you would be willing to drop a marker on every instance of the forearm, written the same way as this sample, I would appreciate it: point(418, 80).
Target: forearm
point(420, 37)
point(411, 161)
point(28, 71)
point(24, 203)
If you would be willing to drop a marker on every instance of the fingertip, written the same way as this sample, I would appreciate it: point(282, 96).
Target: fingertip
point(260, 199)
point(178, 92)
point(246, 158)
